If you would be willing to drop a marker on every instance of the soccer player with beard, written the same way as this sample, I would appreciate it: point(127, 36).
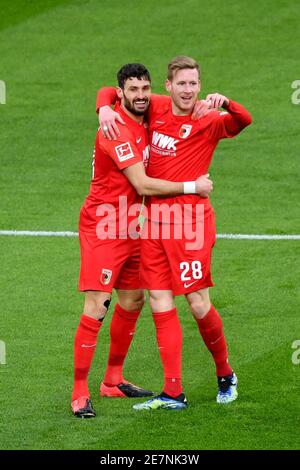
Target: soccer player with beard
point(109, 240)
point(180, 148)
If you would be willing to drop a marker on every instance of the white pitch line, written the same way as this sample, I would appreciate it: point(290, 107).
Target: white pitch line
point(241, 236)
point(29, 233)
point(232, 236)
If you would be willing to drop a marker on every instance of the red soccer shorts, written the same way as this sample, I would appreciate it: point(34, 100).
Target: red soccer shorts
point(108, 264)
point(171, 264)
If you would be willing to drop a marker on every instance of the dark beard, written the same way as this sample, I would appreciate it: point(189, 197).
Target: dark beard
point(131, 109)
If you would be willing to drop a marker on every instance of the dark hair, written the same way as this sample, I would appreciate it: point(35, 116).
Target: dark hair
point(132, 70)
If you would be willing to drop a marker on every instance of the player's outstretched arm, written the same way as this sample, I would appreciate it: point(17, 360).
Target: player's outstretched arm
point(146, 186)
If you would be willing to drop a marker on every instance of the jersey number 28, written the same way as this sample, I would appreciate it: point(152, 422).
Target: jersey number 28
point(195, 268)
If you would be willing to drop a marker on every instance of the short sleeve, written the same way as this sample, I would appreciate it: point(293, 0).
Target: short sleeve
point(122, 151)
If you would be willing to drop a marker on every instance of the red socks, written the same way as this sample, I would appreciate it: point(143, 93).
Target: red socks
point(169, 340)
point(211, 329)
point(122, 330)
point(84, 348)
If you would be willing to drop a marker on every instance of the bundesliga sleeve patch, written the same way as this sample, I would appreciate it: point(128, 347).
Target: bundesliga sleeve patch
point(124, 152)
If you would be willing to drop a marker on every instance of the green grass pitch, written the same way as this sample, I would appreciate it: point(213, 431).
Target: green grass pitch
point(53, 57)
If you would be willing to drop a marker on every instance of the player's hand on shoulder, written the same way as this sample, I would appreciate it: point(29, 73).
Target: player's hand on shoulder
point(204, 185)
point(201, 108)
point(108, 119)
point(217, 100)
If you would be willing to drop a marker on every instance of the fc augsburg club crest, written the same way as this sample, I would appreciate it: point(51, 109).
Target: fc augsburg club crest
point(185, 131)
point(105, 276)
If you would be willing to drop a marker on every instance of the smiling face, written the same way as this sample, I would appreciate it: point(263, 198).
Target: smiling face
point(184, 88)
point(135, 97)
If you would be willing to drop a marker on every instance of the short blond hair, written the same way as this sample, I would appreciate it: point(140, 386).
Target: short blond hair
point(179, 63)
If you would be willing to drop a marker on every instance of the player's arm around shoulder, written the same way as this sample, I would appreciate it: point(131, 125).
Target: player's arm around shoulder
point(109, 121)
point(108, 118)
point(106, 96)
point(146, 186)
point(128, 159)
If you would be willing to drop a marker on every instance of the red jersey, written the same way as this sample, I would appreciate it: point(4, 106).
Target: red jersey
point(181, 149)
point(109, 183)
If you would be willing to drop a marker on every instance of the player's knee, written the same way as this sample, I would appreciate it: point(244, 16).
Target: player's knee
point(132, 301)
point(160, 302)
point(199, 307)
point(96, 305)
point(133, 305)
